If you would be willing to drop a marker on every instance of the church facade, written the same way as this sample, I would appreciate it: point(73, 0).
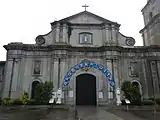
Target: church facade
point(86, 56)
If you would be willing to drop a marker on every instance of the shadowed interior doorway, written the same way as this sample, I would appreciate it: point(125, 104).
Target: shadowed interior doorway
point(34, 84)
point(86, 90)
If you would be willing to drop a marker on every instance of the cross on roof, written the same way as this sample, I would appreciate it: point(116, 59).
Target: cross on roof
point(85, 6)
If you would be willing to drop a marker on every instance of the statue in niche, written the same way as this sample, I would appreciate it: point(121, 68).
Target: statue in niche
point(37, 67)
point(133, 68)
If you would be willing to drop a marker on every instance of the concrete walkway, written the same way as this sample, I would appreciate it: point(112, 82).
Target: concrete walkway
point(84, 113)
point(123, 114)
point(90, 113)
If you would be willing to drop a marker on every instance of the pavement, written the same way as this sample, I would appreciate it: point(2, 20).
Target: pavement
point(89, 113)
point(67, 113)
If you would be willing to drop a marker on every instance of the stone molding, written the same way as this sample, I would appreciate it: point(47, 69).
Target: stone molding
point(69, 48)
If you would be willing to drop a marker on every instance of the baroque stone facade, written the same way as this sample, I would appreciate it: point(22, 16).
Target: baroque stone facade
point(84, 36)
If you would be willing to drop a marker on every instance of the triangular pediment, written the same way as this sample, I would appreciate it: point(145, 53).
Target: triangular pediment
point(86, 17)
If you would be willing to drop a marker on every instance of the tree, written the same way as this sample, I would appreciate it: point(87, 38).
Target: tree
point(43, 92)
point(131, 92)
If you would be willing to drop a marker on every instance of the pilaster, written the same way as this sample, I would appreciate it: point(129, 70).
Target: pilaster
point(114, 35)
point(55, 73)
point(11, 78)
point(116, 73)
point(57, 32)
point(65, 35)
point(108, 34)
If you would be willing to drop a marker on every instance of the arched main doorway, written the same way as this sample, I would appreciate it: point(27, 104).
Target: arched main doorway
point(34, 84)
point(86, 89)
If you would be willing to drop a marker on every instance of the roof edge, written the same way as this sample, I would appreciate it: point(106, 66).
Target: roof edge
point(64, 20)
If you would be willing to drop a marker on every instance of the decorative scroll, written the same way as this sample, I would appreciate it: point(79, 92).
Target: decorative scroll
point(83, 65)
point(40, 40)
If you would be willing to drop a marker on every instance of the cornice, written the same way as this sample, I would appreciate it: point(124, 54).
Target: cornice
point(69, 48)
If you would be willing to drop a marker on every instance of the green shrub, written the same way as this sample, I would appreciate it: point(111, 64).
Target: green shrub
point(24, 98)
point(157, 101)
point(7, 101)
point(17, 102)
point(131, 92)
point(148, 102)
point(43, 92)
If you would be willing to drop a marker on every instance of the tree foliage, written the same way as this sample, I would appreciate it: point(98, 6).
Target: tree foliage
point(43, 92)
point(131, 92)
point(24, 98)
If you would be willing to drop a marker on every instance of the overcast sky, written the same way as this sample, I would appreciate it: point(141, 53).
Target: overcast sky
point(24, 20)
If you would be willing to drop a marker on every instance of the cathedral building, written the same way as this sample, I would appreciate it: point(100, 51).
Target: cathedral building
point(87, 57)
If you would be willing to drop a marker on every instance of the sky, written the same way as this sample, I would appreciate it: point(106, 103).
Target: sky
point(24, 20)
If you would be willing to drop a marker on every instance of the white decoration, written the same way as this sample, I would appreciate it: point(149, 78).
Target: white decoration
point(127, 101)
point(71, 94)
point(100, 94)
point(54, 96)
point(59, 96)
point(118, 96)
point(110, 95)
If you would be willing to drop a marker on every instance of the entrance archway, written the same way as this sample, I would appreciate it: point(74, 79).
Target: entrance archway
point(138, 85)
point(34, 84)
point(89, 64)
point(86, 89)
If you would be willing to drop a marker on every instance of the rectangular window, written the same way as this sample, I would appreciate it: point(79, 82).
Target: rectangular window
point(133, 69)
point(85, 38)
point(37, 67)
